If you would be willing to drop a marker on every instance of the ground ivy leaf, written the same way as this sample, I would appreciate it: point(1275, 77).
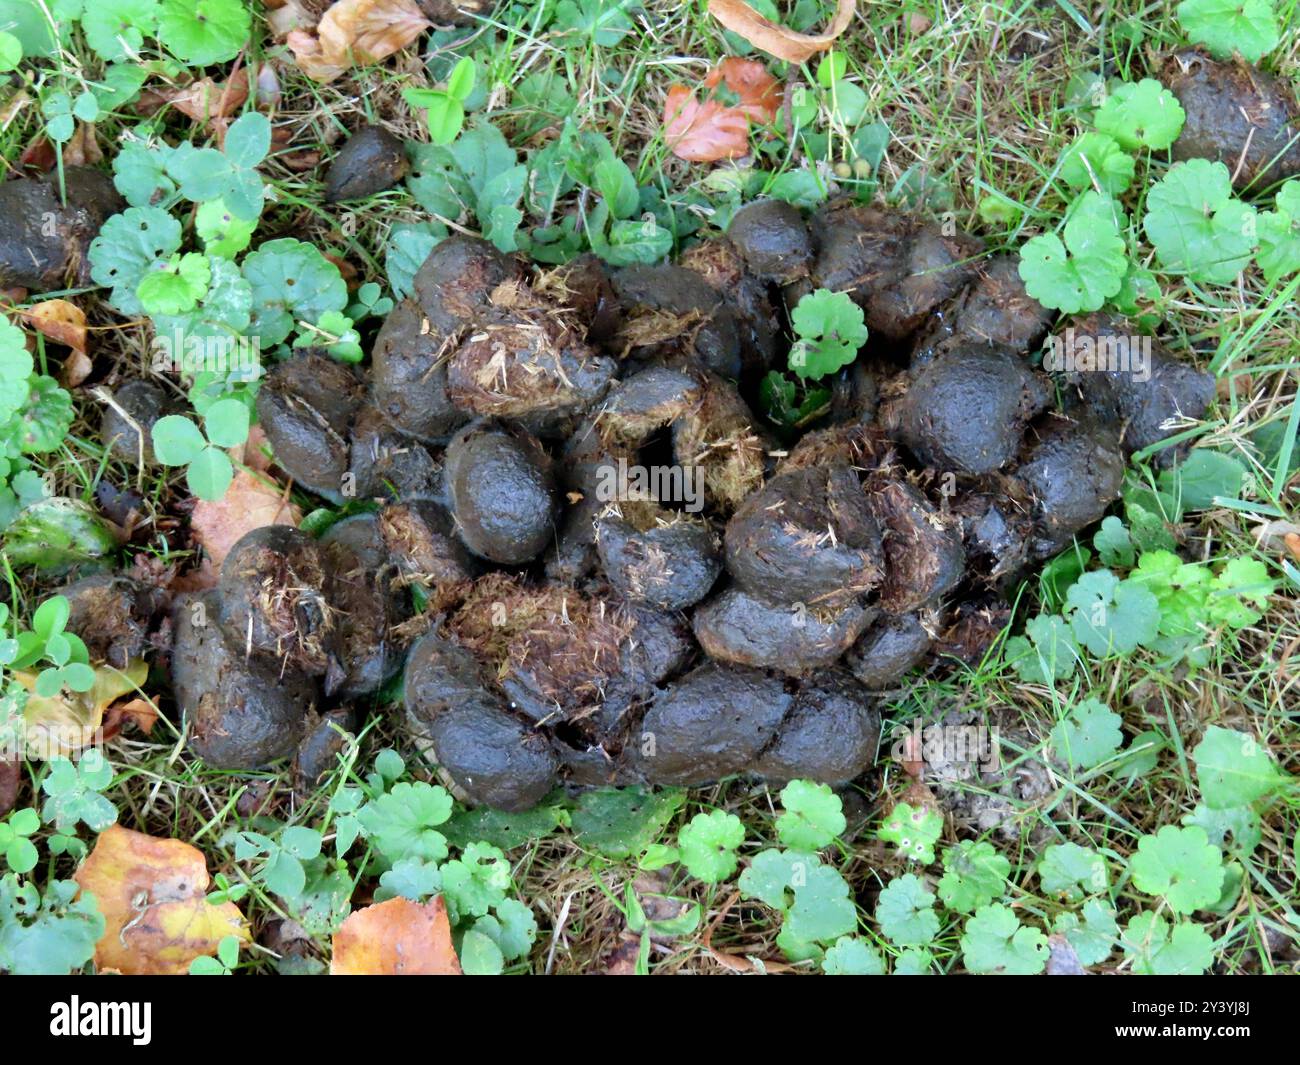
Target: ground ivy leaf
point(1087, 267)
point(995, 942)
point(1046, 653)
point(914, 962)
point(130, 245)
point(1071, 872)
point(1096, 161)
point(707, 845)
point(1094, 937)
point(1180, 864)
point(1240, 583)
point(1233, 769)
point(905, 912)
point(1108, 616)
point(1141, 115)
point(913, 831)
point(813, 816)
point(1088, 735)
point(403, 822)
point(1196, 225)
point(1156, 951)
point(822, 909)
point(1247, 27)
point(974, 875)
point(831, 329)
point(853, 956)
point(1241, 822)
point(623, 822)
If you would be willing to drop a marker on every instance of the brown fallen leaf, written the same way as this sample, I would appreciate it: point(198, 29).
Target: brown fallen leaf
point(355, 33)
point(205, 101)
point(251, 501)
point(64, 723)
point(704, 131)
point(39, 155)
point(83, 149)
point(140, 712)
point(152, 893)
point(777, 40)
point(621, 961)
point(63, 322)
point(396, 938)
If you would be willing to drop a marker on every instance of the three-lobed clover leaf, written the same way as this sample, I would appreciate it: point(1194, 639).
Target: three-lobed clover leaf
point(996, 942)
point(1088, 735)
point(974, 875)
point(707, 845)
point(1234, 769)
point(1247, 27)
point(1096, 161)
point(831, 328)
point(1279, 234)
point(914, 831)
point(813, 817)
point(177, 441)
point(1197, 226)
point(1080, 271)
point(1181, 865)
point(1141, 115)
point(1154, 949)
point(905, 912)
point(15, 845)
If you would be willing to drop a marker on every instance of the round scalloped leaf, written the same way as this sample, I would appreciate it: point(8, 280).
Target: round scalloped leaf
point(130, 245)
point(708, 845)
point(1096, 161)
point(1279, 235)
point(15, 369)
point(1085, 269)
point(1197, 226)
point(1247, 27)
point(1181, 865)
point(291, 281)
point(203, 32)
point(116, 29)
point(140, 173)
point(176, 289)
point(222, 233)
point(45, 418)
point(224, 313)
point(1142, 115)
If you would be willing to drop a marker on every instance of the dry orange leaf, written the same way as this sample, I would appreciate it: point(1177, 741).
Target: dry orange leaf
point(708, 130)
point(356, 32)
point(396, 938)
point(250, 502)
point(777, 40)
point(62, 321)
point(204, 100)
point(67, 722)
point(152, 893)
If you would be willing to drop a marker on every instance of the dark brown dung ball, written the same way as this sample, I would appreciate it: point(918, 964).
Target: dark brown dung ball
point(45, 242)
point(372, 160)
point(142, 403)
point(408, 376)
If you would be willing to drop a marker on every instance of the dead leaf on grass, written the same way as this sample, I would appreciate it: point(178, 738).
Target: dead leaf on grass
point(63, 322)
point(778, 40)
point(64, 723)
point(355, 33)
point(709, 129)
point(250, 502)
point(396, 938)
point(152, 893)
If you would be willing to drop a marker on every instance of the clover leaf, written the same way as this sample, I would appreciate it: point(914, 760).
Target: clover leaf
point(18, 850)
point(1246, 27)
point(1087, 267)
point(913, 831)
point(905, 912)
point(1196, 225)
point(1087, 735)
point(974, 875)
point(831, 328)
point(1234, 769)
point(177, 441)
point(1279, 234)
point(813, 816)
point(707, 845)
point(1096, 161)
point(1156, 950)
point(73, 793)
point(1180, 864)
point(995, 942)
point(1141, 115)
point(1071, 872)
